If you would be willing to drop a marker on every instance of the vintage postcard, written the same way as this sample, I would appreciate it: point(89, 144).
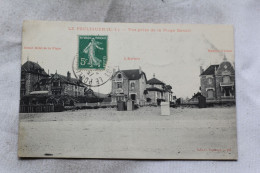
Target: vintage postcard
point(127, 91)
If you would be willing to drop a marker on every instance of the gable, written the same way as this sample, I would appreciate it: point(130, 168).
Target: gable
point(225, 68)
point(130, 74)
point(119, 76)
point(210, 70)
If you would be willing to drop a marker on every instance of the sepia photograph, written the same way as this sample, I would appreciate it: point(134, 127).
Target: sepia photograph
point(127, 91)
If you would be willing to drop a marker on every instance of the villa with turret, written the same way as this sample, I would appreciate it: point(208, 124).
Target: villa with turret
point(218, 82)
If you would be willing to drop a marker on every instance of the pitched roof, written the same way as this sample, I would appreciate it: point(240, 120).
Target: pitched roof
point(155, 81)
point(210, 70)
point(30, 66)
point(71, 80)
point(133, 74)
point(168, 88)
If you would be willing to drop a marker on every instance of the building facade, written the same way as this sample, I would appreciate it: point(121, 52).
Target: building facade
point(155, 91)
point(66, 85)
point(169, 97)
point(158, 91)
point(31, 72)
point(218, 82)
point(129, 85)
point(35, 81)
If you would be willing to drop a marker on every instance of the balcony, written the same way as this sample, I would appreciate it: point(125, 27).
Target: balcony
point(222, 84)
point(119, 90)
point(227, 97)
point(118, 79)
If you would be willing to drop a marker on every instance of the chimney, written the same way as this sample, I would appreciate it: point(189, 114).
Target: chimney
point(154, 75)
point(201, 70)
point(68, 75)
point(140, 70)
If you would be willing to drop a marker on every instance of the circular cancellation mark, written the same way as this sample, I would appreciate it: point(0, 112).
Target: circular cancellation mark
point(92, 77)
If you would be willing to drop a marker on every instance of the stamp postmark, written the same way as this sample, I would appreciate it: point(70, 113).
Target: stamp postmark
point(91, 63)
point(92, 52)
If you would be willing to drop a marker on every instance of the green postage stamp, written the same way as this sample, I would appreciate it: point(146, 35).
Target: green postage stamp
point(92, 52)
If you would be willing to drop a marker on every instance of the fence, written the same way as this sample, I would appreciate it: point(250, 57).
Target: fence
point(40, 108)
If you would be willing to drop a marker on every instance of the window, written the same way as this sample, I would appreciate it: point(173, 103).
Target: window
point(120, 98)
point(22, 76)
point(133, 96)
point(55, 83)
point(132, 85)
point(226, 79)
point(23, 85)
point(210, 93)
point(227, 91)
point(210, 80)
point(22, 93)
point(119, 76)
point(119, 84)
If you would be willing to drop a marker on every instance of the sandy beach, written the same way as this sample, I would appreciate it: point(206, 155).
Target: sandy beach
point(188, 133)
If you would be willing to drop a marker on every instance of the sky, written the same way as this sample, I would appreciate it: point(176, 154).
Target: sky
point(174, 58)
